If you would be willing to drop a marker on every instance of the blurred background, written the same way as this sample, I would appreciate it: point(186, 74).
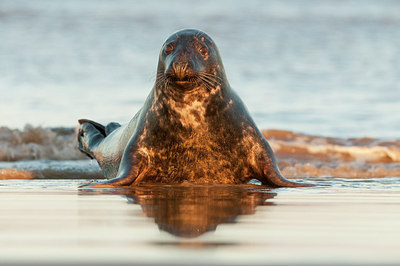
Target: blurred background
point(327, 67)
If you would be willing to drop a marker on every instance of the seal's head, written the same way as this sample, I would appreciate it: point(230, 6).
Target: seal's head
point(189, 59)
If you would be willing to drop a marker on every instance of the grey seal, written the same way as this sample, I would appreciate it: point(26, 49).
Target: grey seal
point(193, 128)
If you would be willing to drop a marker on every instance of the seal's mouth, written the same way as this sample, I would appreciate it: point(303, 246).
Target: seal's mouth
point(185, 81)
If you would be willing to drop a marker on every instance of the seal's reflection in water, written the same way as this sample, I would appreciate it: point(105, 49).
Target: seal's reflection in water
point(192, 210)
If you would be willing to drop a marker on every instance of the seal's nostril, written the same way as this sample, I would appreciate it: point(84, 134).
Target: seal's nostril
point(179, 71)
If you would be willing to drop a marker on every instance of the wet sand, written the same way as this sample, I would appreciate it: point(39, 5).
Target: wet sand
point(341, 221)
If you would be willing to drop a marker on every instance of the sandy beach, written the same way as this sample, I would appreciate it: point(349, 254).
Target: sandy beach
point(341, 221)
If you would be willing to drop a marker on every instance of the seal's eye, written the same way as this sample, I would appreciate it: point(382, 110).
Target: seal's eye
point(169, 48)
point(203, 50)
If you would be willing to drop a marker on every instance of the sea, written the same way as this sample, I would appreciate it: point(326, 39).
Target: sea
point(321, 78)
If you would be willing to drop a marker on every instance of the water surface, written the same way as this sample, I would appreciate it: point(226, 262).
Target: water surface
point(340, 221)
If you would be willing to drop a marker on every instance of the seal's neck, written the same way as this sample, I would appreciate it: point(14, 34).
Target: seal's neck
point(188, 109)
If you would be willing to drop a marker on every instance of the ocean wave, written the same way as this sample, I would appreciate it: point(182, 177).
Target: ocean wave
point(37, 143)
point(37, 152)
point(301, 155)
point(303, 147)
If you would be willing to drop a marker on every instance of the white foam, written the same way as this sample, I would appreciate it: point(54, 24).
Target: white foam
point(36, 143)
point(348, 153)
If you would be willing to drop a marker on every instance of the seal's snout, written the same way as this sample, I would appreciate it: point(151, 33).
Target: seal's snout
point(180, 72)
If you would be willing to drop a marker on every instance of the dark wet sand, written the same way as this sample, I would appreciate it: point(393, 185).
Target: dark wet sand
point(346, 222)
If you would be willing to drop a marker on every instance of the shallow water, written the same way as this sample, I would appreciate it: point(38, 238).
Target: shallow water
point(340, 221)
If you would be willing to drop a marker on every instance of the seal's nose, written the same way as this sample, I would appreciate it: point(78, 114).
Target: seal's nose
point(179, 71)
point(180, 67)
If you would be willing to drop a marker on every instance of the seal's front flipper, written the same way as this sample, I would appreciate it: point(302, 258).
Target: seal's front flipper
point(273, 178)
point(131, 169)
point(115, 182)
point(270, 174)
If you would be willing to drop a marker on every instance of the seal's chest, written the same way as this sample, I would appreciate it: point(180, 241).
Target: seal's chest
point(188, 115)
point(197, 161)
